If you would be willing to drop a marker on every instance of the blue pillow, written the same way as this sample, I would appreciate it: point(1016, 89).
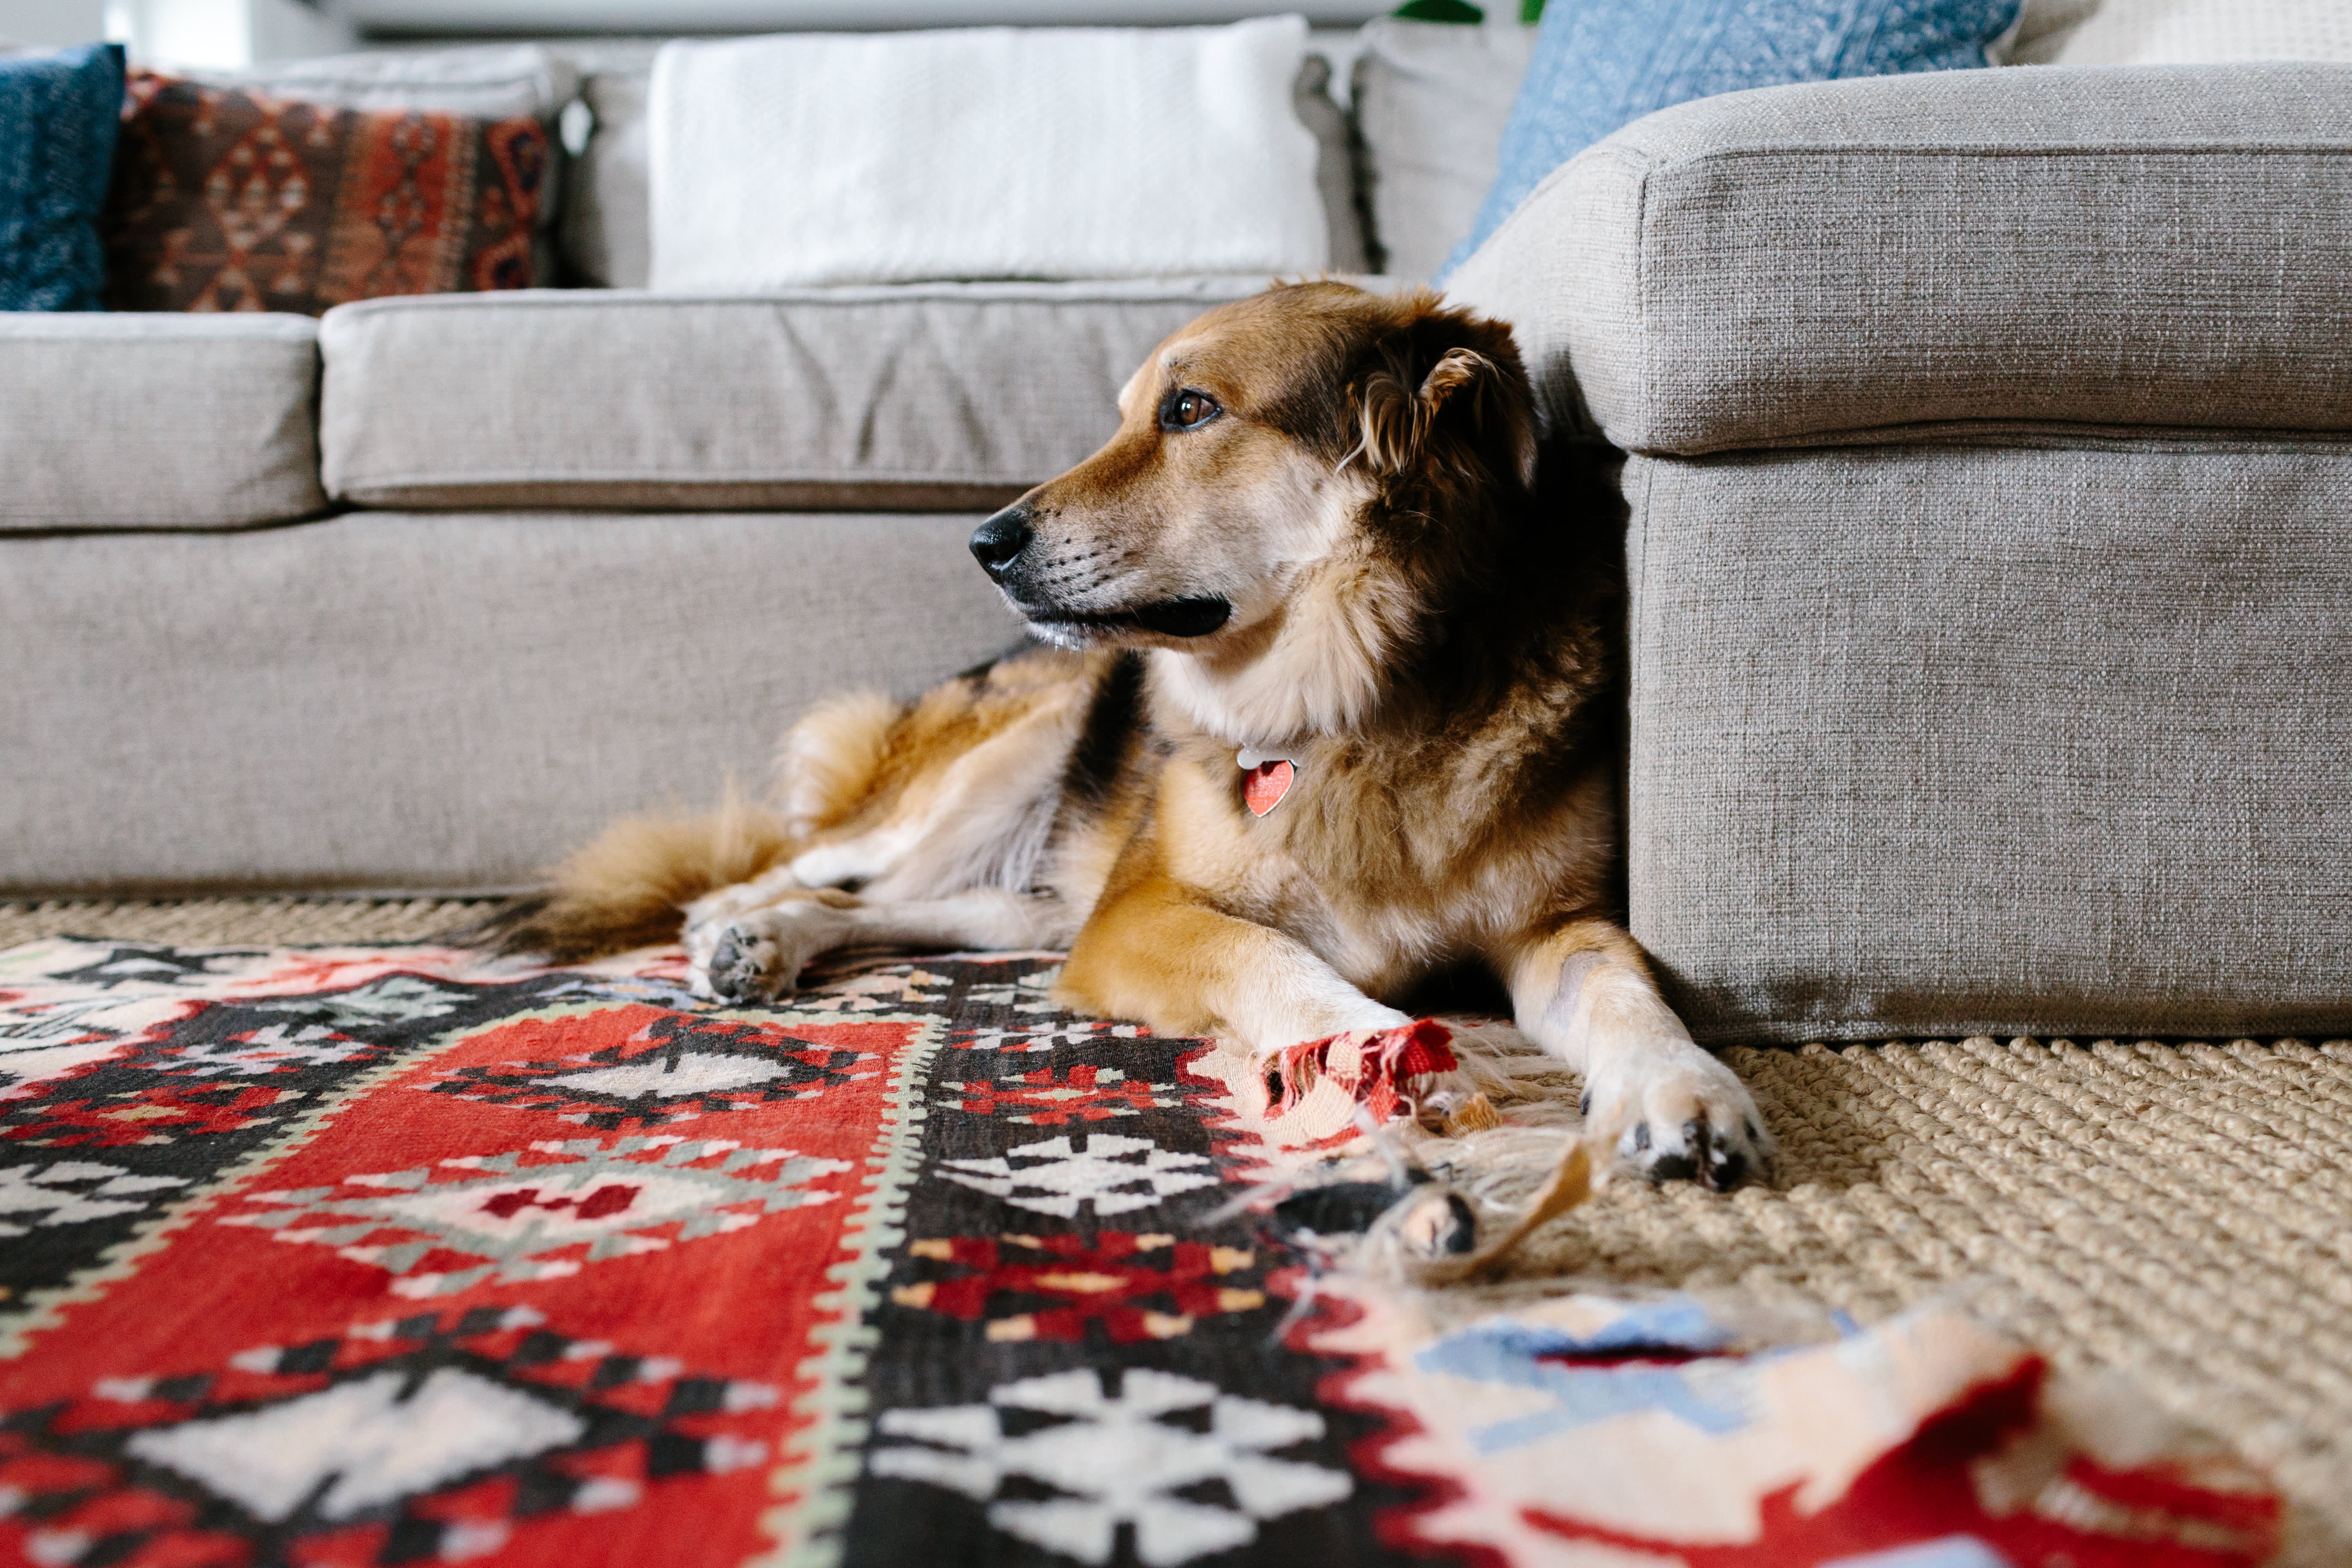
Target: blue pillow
point(1602, 64)
point(59, 115)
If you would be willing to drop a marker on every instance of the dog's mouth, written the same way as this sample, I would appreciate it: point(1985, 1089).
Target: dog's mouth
point(1186, 619)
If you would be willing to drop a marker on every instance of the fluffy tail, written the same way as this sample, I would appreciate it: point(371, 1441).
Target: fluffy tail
point(625, 889)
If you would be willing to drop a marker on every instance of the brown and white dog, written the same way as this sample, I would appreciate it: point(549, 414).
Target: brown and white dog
point(1325, 711)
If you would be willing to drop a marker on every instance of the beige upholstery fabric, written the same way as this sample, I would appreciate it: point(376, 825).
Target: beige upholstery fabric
point(1932, 741)
point(883, 393)
point(2139, 246)
point(162, 421)
point(429, 700)
point(1431, 102)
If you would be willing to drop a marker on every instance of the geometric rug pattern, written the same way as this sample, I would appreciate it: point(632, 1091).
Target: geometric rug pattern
point(384, 1253)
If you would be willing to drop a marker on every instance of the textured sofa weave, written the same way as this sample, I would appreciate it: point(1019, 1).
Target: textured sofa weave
point(2146, 247)
point(927, 395)
point(1987, 563)
point(157, 421)
point(393, 699)
point(1954, 740)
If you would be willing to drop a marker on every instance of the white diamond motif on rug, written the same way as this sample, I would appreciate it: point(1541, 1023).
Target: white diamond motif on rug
point(696, 1072)
point(376, 1446)
point(71, 1191)
point(578, 1201)
point(1115, 1173)
point(1116, 1461)
point(48, 1041)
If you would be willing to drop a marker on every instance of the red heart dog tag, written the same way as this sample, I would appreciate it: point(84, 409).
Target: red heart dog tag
point(1264, 785)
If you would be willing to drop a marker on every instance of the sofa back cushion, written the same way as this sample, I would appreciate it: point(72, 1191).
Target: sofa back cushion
point(225, 200)
point(2207, 32)
point(916, 397)
point(1602, 64)
point(1431, 102)
point(1335, 166)
point(983, 154)
point(605, 238)
point(56, 135)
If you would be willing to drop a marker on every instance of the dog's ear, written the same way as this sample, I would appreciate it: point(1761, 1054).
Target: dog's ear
point(1469, 403)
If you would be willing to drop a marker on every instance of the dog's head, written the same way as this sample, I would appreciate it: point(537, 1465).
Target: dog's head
point(1297, 480)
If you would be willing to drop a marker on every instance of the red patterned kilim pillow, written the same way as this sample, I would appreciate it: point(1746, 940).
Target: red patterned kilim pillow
point(225, 201)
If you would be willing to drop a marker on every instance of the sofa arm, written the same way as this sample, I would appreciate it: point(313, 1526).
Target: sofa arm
point(2160, 247)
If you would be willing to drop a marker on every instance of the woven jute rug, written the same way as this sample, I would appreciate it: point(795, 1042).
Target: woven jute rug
point(2179, 1214)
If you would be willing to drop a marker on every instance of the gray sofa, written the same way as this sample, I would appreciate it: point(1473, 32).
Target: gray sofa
point(1987, 503)
point(1990, 542)
point(245, 653)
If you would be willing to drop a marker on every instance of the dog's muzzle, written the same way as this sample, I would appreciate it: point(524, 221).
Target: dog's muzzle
point(1001, 545)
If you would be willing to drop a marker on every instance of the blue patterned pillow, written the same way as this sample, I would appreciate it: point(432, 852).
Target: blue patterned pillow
point(1602, 64)
point(58, 113)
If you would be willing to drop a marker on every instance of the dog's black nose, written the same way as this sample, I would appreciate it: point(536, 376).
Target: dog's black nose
point(995, 543)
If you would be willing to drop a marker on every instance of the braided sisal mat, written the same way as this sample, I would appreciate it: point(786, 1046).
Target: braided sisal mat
point(2181, 1213)
point(230, 923)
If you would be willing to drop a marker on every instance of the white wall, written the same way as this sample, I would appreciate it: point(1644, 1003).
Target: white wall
point(52, 22)
point(229, 33)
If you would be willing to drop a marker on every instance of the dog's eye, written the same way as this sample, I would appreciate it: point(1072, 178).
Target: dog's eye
point(1187, 410)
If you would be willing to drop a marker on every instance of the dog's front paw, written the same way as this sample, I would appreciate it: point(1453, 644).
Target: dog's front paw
point(1678, 1115)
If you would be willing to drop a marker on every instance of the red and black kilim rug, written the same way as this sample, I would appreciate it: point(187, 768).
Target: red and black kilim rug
point(344, 1258)
point(334, 1257)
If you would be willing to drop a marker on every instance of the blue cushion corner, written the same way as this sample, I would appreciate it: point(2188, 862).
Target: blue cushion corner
point(1600, 65)
point(59, 117)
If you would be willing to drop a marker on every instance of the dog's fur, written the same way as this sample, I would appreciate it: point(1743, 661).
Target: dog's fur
point(1314, 536)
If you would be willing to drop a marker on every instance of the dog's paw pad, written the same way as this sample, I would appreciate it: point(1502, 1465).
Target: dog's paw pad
point(742, 966)
point(1718, 1158)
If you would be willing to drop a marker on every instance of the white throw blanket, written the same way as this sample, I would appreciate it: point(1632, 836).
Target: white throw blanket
point(981, 153)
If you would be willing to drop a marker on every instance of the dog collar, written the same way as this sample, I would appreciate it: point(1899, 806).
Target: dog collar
point(1265, 780)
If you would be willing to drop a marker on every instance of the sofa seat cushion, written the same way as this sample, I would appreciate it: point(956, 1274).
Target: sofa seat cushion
point(928, 397)
point(2142, 247)
point(384, 699)
point(161, 421)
